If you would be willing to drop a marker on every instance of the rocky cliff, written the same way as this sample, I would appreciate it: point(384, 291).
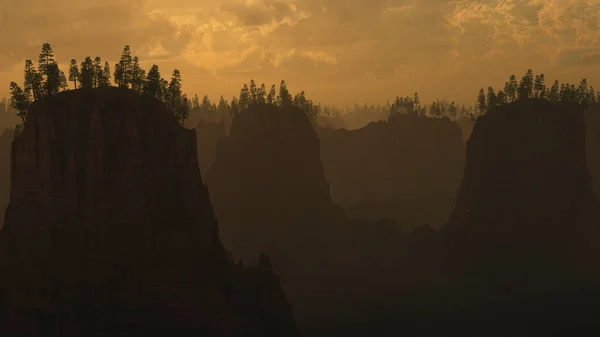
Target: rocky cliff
point(407, 168)
point(526, 218)
point(110, 229)
point(208, 135)
point(5, 144)
point(268, 172)
point(592, 143)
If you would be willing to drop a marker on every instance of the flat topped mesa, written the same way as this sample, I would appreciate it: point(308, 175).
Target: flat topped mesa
point(108, 210)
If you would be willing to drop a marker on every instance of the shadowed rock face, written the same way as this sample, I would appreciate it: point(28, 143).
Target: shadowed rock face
point(267, 184)
point(592, 143)
point(208, 135)
point(5, 143)
point(526, 216)
point(110, 229)
point(407, 168)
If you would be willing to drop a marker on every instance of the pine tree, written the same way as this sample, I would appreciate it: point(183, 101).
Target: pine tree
point(223, 108)
point(481, 103)
point(105, 78)
point(501, 97)
point(453, 111)
point(118, 75)
point(19, 100)
point(511, 88)
point(195, 102)
point(491, 98)
point(125, 68)
point(261, 94)
point(53, 79)
point(152, 85)
point(182, 110)
point(174, 90)
point(49, 70)
point(206, 106)
point(164, 89)
point(87, 73)
point(234, 106)
point(33, 81)
point(74, 73)
point(46, 58)
point(272, 96)
point(253, 93)
point(554, 94)
point(582, 91)
point(64, 83)
point(284, 98)
point(244, 98)
point(137, 74)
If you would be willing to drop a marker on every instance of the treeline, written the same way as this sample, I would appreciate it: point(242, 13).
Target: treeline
point(534, 87)
point(251, 95)
point(48, 79)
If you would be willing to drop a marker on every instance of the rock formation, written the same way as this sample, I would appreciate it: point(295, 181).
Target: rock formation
point(110, 229)
point(208, 134)
point(526, 218)
point(592, 143)
point(407, 168)
point(268, 172)
point(466, 125)
point(5, 144)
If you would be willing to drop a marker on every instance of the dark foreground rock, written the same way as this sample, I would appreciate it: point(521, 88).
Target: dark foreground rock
point(110, 231)
point(5, 145)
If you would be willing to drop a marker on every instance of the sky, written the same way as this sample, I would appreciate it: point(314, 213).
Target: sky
point(338, 51)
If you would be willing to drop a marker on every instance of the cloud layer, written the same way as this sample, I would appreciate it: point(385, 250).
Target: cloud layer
point(339, 51)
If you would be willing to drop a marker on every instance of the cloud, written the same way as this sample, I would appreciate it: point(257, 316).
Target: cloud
point(433, 46)
point(582, 56)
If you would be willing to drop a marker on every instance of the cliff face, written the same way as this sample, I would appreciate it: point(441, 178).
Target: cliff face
point(5, 143)
point(408, 168)
point(526, 204)
point(268, 173)
point(110, 229)
point(592, 143)
point(208, 135)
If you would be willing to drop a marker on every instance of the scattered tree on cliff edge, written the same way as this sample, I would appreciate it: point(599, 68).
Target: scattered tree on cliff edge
point(481, 104)
point(19, 100)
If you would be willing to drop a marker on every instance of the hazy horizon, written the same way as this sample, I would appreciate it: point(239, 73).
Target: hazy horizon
point(340, 52)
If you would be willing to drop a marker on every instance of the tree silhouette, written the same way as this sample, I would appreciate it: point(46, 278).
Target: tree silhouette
point(235, 109)
point(261, 95)
point(174, 90)
point(19, 100)
point(152, 85)
point(491, 98)
point(33, 80)
point(97, 71)
point(124, 71)
point(105, 78)
point(74, 74)
point(284, 98)
point(195, 102)
point(253, 96)
point(481, 103)
point(272, 96)
point(244, 98)
point(137, 75)
point(87, 73)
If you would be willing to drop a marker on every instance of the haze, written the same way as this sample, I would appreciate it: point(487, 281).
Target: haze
point(339, 51)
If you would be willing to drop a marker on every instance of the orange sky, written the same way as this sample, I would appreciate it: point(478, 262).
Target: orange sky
point(338, 51)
